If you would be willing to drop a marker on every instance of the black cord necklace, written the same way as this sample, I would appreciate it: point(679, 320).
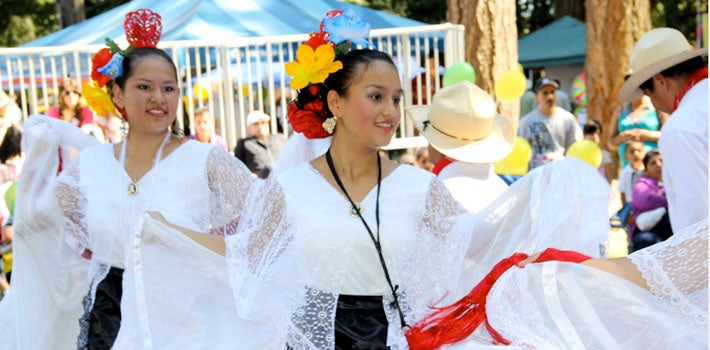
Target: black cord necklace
point(375, 240)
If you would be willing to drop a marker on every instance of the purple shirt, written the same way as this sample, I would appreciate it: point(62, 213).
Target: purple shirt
point(648, 194)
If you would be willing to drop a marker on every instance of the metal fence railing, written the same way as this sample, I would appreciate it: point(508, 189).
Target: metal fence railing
point(234, 78)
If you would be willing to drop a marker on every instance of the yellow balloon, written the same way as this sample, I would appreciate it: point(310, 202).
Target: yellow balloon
point(517, 162)
point(520, 68)
point(510, 85)
point(586, 150)
point(200, 91)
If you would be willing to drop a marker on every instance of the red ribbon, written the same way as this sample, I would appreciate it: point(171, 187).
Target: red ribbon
point(441, 164)
point(697, 77)
point(453, 323)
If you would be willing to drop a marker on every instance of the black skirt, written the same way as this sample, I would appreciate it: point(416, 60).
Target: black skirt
point(105, 315)
point(360, 323)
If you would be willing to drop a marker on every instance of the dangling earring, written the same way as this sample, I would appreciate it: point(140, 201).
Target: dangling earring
point(329, 124)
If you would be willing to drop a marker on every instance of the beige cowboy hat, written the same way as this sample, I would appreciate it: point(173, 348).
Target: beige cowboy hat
point(657, 50)
point(462, 123)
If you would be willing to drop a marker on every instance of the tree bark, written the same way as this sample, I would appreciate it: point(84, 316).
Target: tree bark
point(613, 27)
point(70, 12)
point(491, 42)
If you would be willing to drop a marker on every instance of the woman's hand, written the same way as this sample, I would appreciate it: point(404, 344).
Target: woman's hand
point(211, 242)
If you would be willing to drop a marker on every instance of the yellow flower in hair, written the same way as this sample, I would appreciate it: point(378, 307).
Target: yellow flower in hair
point(312, 66)
point(98, 100)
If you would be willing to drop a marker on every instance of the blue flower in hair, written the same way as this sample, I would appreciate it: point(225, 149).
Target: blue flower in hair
point(347, 27)
point(114, 68)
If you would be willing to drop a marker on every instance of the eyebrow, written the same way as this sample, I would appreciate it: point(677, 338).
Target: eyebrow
point(382, 87)
point(150, 81)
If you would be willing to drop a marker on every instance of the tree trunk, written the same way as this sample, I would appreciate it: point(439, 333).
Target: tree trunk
point(491, 42)
point(70, 12)
point(613, 27)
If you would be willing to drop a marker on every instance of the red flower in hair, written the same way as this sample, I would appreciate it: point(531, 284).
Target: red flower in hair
point(318, 39)
point(308, 120)
point(99, 60)
point(143, 28)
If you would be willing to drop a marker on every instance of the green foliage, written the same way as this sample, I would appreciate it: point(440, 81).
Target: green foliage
point(681, 15)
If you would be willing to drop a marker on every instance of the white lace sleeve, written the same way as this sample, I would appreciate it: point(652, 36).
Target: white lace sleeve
point(261, 238)
point(676, 271)
point(230, 182)
point(72, 203)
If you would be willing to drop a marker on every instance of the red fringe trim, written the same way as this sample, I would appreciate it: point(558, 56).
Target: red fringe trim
point(453, 323)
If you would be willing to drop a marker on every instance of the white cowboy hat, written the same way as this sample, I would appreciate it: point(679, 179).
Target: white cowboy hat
point(657, 50)
point(462, 124)
point(255, 116)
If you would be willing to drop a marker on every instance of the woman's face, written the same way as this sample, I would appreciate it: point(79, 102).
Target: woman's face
point(653, 168)
point(370, 111)
point(70, 98)
point(150, 96)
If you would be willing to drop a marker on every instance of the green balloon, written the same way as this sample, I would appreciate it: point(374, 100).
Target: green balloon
point(459, 72)
point(10, 198)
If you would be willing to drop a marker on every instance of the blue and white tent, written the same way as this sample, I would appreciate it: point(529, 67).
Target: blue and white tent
point(222, 20)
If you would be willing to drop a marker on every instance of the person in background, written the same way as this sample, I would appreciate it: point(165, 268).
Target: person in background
point(465, 137)
point(260, 150)
point(549, 129)
point(423, 159)
point(592, 131)
point(636, 121)
point(674, 75)
point(204, 129)
point(563, 100)
point(10, 112)
point(650, 196)
point(71, 108)
point(407, 158)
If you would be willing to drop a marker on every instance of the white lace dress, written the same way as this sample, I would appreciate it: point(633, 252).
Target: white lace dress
point(175, 292)
point(299, 249)
point(557, 305)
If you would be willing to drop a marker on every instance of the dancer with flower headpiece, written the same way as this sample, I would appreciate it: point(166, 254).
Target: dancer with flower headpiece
point(95, 270)
point(345, 248)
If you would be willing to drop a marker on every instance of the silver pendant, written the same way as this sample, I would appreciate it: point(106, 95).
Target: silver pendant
point(355, 210)
point(132, 189)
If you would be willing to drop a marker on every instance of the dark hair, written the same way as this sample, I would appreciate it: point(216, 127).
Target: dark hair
point(650, 154)
point(592, 127)
point(137, 54)
point(129, 64)
point(10, 145)
point(681, 70)
point(341, 80)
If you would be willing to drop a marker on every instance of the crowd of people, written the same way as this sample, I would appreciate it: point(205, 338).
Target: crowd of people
point(321, 241)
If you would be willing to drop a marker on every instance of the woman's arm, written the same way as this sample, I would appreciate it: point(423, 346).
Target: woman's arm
point(621, 267)
point(211, 242)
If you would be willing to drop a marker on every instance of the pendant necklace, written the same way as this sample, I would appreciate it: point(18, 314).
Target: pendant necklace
point(132, 188)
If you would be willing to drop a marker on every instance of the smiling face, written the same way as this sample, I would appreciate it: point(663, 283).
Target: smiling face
point(369, 111)
point(149, 94)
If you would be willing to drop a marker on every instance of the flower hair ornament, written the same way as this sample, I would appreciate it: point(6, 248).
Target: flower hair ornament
point(315, 60)
point(143, 28)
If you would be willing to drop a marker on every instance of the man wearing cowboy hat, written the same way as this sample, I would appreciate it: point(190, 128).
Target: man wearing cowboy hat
point(549, 129)
point(465, 136)
point(674, 75)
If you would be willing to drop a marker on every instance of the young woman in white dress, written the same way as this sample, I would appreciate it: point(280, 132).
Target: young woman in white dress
point(94, 270)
